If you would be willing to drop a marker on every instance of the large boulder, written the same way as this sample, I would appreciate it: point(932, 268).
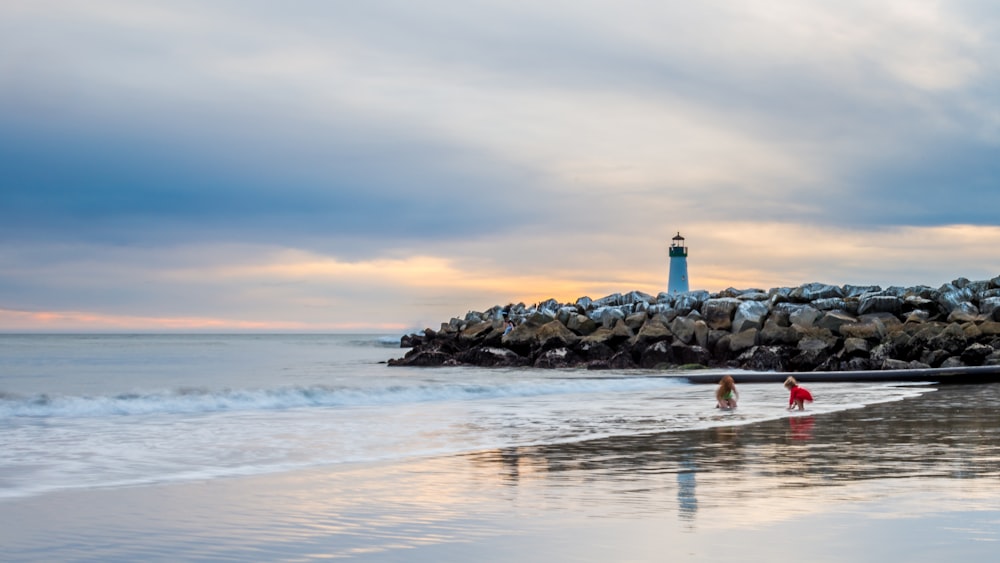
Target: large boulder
point(622, 360)
point(749, 314)
point(854, 347)
point(656, 355)
point(689, 355)
point(555, 335)
point(581, 324)
point(488, 356)
point(859, 290)
point(718, 313)
point(612, 300)
point(764, 358)
point(690, 301)
point(834, 320)
point(965, 312)
point(813, 291)
point(830, 304)
point(951, 339)
point(635, 320)
point(475, 332)
point(590, 350)
point(813, 350)
point(774, 334)
point(975, 354)
point(556, 358)
point(652, 331)
point(873, 303)
point(951, 299)
point(683, 328)
point(744, 340)
point(419, 357)
point(606, 316)
point(804, 316)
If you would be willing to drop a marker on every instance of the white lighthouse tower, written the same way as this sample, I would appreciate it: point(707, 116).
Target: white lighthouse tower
point(678, 266)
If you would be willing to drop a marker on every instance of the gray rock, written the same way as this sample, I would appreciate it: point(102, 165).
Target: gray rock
point(612, 300)
point(890, 363)
point(718, 313)
point(554, 335)
point(870, 303)
point(856, 347)
point(743, 340)
point(687, 355)
point(664, 298)
point(859, 290)
point(965, 312)
point(763, 358)
point(658, 354)
point(813, 291)
point(952, 362)
point(635, 320)
point(988, 306)
point(953, 299)
point(556, 358)
point(918, 316)
point(686, 302)
point(833, 320)
point(585, 303)
point(638, 297)
point(476, 332)
point(652, 331)
point(804, 316)
point(950, 339)
point(683, 329)
point(606, 316)
point(829, 304)
point(775, 335)
point(976, 354)
point(493, 357)
point(581, 324)
point(749, 314)
point(701, 331)
point(622, 360)
point(565, 313)
point(661, 309)
point(591, 351)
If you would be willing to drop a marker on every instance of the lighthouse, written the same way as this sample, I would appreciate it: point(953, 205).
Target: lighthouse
point(678, 266)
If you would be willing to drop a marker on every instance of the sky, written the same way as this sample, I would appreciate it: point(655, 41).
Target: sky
point(383, 166)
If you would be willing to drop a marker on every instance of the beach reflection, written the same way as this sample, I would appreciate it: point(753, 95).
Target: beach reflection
point(770, 467)
point(913, 480)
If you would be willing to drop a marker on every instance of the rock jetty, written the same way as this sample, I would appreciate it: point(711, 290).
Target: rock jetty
point(813, 327)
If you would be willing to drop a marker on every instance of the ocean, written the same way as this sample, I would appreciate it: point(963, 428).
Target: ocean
point(165, 422)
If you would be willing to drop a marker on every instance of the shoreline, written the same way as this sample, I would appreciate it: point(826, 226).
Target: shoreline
point(891, 479)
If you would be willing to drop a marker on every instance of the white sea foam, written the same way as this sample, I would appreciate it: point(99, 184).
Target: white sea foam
point(149, 409)
point(200, 400)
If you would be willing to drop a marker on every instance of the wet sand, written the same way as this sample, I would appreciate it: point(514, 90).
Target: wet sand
point(917, 480)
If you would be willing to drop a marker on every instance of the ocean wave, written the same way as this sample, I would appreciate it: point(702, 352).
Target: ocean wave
point(198, 400)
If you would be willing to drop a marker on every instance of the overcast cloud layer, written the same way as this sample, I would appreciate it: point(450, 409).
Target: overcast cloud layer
point(386, 165)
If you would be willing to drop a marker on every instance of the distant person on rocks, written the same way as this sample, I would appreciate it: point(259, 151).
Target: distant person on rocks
point(726, 395)
point(799, 395)
point(509, 324)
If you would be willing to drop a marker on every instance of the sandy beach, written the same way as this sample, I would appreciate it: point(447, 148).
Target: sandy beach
point(915, 480)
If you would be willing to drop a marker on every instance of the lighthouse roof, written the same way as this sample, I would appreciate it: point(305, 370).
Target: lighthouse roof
point(678, 237)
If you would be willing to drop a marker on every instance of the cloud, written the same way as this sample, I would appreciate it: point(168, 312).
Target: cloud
point(168, 160)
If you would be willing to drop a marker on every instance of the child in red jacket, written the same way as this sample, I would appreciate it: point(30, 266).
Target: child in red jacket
point(799, 394)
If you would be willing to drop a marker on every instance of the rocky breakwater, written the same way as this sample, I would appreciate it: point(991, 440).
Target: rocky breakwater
point(813, 327)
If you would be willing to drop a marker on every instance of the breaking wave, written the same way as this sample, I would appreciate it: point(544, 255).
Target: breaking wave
point(196, 400)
